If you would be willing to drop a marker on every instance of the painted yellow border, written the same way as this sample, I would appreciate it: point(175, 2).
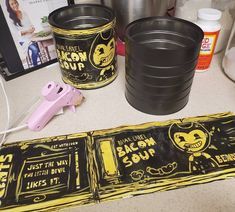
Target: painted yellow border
point(125, 190)
point(79, 32)
point(91, 85)
point(162, 123)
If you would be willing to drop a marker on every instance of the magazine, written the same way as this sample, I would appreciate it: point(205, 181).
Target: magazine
point(26, 40)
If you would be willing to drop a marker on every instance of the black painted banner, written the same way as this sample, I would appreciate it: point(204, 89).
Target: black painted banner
point(86, 168)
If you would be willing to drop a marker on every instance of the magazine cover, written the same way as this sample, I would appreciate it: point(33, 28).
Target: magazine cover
point(87, 168)
point(26, 40)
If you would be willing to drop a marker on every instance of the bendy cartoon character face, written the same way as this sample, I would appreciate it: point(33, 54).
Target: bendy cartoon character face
point(104, 54)
point(191, 138)
point(194, 139)
point(103, 50)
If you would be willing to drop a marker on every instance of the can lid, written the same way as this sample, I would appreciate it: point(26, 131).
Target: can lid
point(209, 14)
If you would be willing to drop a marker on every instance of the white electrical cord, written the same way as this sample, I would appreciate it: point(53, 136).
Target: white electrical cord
point(7, 130)
point(14, 129)
point(8, 112)
point(23, 114)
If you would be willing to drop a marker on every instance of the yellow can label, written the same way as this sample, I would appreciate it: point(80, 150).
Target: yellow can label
point(87, 57)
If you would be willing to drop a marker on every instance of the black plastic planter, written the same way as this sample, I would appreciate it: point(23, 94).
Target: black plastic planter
point(161, 56)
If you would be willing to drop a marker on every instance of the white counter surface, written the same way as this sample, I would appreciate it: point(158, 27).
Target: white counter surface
point(212, 92)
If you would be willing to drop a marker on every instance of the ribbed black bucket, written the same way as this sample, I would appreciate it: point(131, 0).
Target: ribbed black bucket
point(161, 55)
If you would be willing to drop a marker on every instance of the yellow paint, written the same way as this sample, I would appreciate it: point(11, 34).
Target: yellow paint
point(103, 54)
point(79, 32)
point(164, 170)
point(110, 166)
point(194, 141)
point(162, 124)
point(77, 170)
point(224, 158)
point(91, 85)
point(142, 185)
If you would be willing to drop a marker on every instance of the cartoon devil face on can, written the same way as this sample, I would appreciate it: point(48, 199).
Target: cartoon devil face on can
point(85, 48)
point(102, 54)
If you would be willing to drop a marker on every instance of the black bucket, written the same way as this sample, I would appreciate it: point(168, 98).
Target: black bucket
point(85, 44)
point(161, 56)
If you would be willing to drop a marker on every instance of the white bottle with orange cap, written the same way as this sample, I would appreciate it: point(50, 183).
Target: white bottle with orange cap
point(208, 20)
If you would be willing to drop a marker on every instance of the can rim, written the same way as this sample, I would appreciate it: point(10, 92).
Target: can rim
point(62, 9)
point(128, 37)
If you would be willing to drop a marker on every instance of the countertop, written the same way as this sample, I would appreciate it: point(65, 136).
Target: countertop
point(212, 92)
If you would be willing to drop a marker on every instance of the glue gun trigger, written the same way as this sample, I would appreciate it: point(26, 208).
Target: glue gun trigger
point(72, 108)
point(77, 103)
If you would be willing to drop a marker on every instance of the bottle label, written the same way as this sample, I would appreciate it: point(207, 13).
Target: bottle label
point(207, 50)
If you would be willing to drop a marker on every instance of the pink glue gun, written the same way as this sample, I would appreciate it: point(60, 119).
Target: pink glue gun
point(56, 97)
